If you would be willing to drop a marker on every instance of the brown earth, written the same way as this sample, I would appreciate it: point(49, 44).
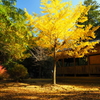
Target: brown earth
point(43, 90)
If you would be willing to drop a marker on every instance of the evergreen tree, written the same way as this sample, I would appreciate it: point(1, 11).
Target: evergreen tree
point(93, 14)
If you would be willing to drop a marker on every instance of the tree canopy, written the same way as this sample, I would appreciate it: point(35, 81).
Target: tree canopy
point(93, 15)
point(14, 32)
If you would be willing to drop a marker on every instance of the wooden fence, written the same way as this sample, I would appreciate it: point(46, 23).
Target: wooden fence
point(79, 70)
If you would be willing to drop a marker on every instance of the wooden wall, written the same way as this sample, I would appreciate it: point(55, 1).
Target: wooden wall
point(94, 59)
point(79, 70)
point(92, 67)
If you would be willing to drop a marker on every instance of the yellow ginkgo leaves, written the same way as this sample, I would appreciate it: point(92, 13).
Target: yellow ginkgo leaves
point(59, 29)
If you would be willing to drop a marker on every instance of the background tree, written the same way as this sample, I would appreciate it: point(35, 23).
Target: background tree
point(14, 32)
point(58, 30)
point(38, 68)
point(39, 64)
point(93, 14)
point(41, 61)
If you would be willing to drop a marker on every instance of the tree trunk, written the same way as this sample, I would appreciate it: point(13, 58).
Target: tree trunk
point(54, 68)
point(54, 72)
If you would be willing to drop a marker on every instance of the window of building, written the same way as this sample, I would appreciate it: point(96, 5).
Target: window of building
point(81, 61)
point(69, 62)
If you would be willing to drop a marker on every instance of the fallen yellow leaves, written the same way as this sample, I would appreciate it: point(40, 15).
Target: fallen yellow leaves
point(44, 91)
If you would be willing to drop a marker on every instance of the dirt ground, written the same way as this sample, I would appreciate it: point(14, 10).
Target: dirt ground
point(44, 90)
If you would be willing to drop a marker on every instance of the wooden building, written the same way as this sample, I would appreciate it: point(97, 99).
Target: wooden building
point(89, 65)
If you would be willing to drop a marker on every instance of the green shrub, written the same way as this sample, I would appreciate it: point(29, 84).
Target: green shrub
point(18, 72)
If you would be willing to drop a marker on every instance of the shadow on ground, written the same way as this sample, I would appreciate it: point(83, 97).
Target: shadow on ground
point(43, 90)
point(86, 95)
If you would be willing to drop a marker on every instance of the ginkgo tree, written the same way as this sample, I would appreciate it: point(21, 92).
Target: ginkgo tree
point(58, 30)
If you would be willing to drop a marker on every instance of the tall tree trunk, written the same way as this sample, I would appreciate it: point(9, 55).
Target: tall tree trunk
point(54, 73)
point(54, 68)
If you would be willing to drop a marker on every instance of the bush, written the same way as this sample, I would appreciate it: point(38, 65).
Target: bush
point(18, 72)
point(3, 73)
